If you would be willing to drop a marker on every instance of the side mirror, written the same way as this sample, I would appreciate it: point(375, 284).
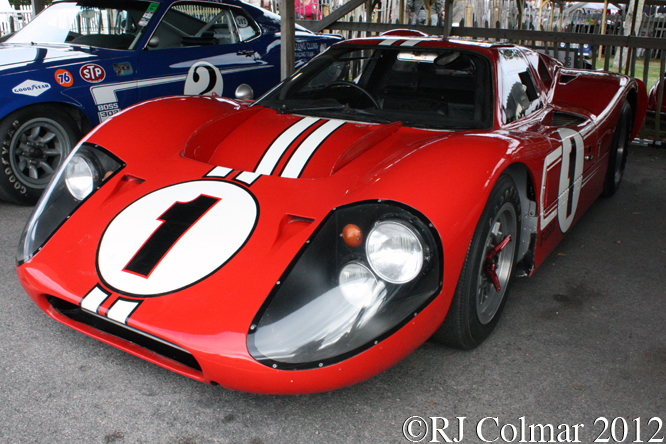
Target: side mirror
point(244, 92)
point(154, 42)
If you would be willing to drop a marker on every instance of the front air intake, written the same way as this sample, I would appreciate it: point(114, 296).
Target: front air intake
point(149, 342)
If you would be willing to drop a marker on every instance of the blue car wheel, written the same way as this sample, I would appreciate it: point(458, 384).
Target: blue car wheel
point(35, 141)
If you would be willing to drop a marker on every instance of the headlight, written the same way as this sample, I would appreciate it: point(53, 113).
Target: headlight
point(395, 251)
point(341, 296)
point(359, 286)
point(84, 171)
point(81, 175)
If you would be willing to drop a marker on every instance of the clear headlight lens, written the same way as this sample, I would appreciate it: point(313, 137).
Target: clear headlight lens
point(358, 285)
point(84, 171)
point(80, 176)
point(332, 303)
point(395, 252)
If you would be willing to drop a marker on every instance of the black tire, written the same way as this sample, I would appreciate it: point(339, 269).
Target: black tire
point(35, 141)
point(477, 305)
point(618, 151)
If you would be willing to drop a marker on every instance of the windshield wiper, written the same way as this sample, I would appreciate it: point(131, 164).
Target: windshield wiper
point(368, 113)
point(344, 108)
point(284, 110)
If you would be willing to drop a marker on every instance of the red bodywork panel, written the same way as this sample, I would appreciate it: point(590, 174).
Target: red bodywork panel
point(215, 143)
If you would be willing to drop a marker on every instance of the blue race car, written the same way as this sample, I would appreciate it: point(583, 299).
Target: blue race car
point(80, 62)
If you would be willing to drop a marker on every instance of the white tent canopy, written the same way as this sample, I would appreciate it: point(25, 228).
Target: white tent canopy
point(592, 6)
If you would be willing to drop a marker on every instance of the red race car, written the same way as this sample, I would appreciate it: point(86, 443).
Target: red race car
point(387, 192)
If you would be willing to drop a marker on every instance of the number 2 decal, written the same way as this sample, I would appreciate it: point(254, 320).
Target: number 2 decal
point(203, 79)
point(175, 237)
point(570, 156)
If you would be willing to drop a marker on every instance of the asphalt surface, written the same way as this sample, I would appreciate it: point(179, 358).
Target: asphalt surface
point(583, 339)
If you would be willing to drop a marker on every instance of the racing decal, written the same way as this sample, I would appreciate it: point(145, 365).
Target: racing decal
point(175, 237)
point(123, 69)
point(569, 156)
point(219, 172)
point(247, 177)
point(150, 11)
point(304, 152)
point(94, 299)
point(242, 22)
point(31, 88)
point(64, 78)
point(107, 110)
point(92, 73)
point(405, 42)
point(176, 221)
point(122, 309)
point(277, 149)
point(301, 155)
point(204, 79)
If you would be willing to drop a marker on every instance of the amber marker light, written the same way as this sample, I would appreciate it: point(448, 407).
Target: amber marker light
point(352, 235)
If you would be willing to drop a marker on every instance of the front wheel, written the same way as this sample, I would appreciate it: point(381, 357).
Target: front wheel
point(486, 276)
point(35, 141)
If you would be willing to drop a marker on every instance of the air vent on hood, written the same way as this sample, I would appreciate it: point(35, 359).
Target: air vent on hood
point(565, 119)
point(566, 78)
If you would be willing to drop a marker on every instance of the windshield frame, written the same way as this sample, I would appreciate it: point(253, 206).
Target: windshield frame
point(35, 31)
point(279, 99)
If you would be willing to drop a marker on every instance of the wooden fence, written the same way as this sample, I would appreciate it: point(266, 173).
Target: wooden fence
point(13, 20)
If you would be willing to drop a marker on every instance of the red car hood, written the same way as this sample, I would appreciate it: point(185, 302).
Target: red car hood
point(288, 145)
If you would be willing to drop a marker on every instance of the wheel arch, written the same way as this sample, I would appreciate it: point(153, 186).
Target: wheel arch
point(524, 181)
point(637, 98)
point(72, 110)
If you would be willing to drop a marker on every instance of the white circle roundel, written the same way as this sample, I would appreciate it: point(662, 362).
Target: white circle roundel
point(175, 237)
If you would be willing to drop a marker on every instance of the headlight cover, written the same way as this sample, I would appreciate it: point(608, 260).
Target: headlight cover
point(332, 303)
point(83, 172)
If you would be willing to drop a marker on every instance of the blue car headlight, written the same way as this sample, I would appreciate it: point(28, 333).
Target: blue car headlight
point(341, 296)
point(82, 173)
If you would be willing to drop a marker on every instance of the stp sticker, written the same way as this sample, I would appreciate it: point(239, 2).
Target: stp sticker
point(175, 237)
point(92, 73)
point(64, 78)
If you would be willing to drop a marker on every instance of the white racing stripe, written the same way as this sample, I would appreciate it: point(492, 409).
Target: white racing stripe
point(304, 152)
point(121, 310)
point(279, 146)
point(94, 299)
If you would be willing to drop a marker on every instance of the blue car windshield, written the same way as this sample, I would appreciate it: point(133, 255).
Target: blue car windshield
point(111, 24)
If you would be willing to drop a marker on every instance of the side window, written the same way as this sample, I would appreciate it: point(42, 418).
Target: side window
point(520, 96)
point(247, 28)
point(195, 24)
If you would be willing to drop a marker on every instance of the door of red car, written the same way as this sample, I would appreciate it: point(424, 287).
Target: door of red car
point(569, 161)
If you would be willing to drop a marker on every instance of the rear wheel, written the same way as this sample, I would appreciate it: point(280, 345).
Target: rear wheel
point(486, 276)
point(617, 155)
point(35, 141)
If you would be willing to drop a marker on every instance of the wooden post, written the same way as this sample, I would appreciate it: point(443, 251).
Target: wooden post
point(287, 38)
point(37, 7)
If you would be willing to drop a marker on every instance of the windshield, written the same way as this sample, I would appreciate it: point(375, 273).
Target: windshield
point(425, 88)
point(112, 24)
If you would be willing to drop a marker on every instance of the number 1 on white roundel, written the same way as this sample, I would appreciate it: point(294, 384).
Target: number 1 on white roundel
point(175, 237)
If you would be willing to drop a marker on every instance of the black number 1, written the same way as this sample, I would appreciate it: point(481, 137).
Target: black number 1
point(179, 218)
